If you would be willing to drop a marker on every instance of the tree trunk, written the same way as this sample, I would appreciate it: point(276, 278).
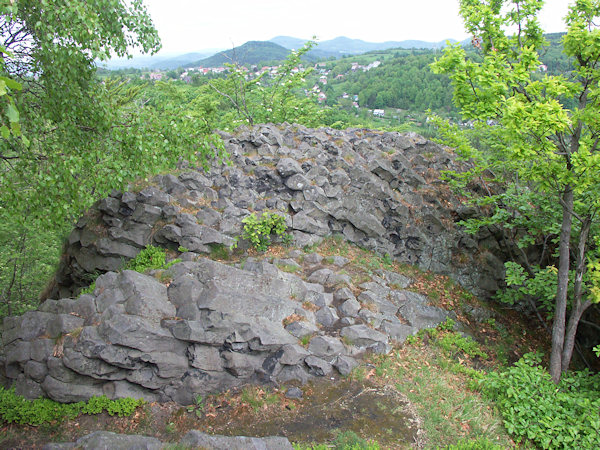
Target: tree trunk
point(578, 307)
point(569, 344)
point(558, 327)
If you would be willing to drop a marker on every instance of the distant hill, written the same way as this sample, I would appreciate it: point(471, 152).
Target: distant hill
point(346, 46)
point(252, 52)
point(291, 43)
point(155, 61)
point(255, 52)
point(180, 60)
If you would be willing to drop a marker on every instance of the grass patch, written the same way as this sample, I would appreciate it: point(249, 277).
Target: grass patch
point(347, 440)
point(258, 398)
point(289, 268)
point(219, 252)
point(150, 258)
point(451, 410)
point(305, 340)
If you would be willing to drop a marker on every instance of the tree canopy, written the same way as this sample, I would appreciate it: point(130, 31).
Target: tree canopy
point(83, 136)
point(544, 136)
point(68, 137)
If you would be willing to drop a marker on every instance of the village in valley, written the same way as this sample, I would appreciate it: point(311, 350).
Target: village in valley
point(321, 69)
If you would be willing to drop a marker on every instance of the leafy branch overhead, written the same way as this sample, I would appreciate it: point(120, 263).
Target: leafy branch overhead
point(261, 100)
point(541, 158)
point(83, 137)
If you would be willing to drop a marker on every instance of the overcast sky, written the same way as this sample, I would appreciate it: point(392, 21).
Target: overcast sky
point(195, 25)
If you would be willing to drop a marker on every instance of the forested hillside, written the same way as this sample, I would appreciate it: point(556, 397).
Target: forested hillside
point(404, 79)
point(253, 52)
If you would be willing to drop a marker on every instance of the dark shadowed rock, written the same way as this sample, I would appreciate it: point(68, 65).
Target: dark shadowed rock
point(326, 346)
point(107, 440)
point(318, 366)
point(345, 364)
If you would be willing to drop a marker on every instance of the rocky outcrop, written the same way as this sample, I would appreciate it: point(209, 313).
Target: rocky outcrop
point(206, 326)
point(106, 440)
point(209, 328)
point(379, 190)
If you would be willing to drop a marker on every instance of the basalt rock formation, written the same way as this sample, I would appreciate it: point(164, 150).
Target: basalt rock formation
point(209, 326)
point(379, 190)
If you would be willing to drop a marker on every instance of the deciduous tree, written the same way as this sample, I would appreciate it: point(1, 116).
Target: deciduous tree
point(546, 142)
point(66, 137)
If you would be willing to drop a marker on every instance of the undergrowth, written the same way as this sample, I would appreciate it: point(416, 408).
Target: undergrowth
point(566, 415)
point(259, 230)
point(17, 409)
point(150, 258)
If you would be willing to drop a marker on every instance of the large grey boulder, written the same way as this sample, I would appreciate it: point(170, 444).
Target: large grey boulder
point(197, 439)
point(107, 440)
point(415, 308)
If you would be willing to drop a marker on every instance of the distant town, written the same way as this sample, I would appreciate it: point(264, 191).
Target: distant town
point(272, 71)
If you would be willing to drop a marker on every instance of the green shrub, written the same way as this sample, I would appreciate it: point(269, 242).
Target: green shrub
point(259, 231)
point(450, 341)
point(17, 409)
point(552, 416)
point(453, 343)
point(148, 259)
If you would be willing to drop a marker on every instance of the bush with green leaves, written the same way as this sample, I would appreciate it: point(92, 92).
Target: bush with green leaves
point(259, 230)
point(150, 258)
point(451, 342)
point(17, 409)
point(563, 415)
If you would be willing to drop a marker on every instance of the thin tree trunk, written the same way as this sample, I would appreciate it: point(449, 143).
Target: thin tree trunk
point(578, 307)
point(558, 327)
point(569, 344)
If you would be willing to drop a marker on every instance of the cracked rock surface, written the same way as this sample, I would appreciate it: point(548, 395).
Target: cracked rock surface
point(213, 326)
point(380, 190)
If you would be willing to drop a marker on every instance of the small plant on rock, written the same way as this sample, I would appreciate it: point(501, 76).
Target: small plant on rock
point(259, 230)
point(16, 409)
point(198, 407)
point(150, 258)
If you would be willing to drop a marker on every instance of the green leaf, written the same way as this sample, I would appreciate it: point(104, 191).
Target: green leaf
point(12, 113)
point(12, 84)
